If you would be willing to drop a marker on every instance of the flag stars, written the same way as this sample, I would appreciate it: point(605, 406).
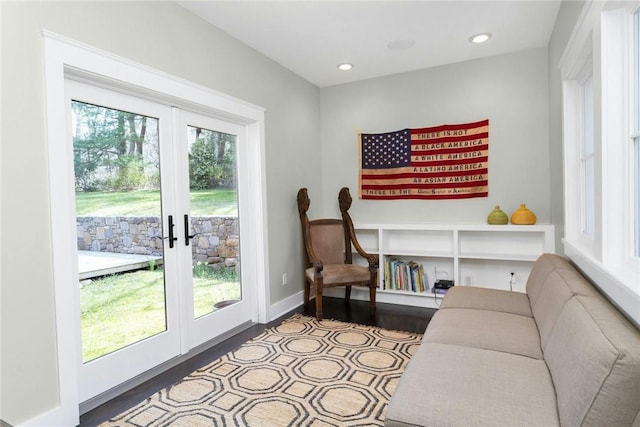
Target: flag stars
point(387, 150)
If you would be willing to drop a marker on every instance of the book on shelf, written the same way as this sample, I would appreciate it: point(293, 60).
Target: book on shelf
point(403, 276)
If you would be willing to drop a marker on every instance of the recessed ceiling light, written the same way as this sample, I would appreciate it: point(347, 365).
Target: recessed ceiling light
point(401, 44)
point(480, 38)
point(345, 66)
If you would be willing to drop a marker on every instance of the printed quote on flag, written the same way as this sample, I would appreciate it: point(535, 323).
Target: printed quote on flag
point(440, 162)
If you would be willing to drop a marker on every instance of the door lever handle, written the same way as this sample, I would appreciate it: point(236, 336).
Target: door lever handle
point(187, 236)
point(171, 225)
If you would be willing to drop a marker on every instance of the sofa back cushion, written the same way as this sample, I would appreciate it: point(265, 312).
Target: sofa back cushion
point(560, 285)
point(543, 266)
point(553, 295)
point(593, 354)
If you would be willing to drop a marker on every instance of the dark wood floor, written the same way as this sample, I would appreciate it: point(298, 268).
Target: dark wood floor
point(388, 316)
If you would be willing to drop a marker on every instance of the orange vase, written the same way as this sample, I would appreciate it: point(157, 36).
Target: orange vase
point(523, 216)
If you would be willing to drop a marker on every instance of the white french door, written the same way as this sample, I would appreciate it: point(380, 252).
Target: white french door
point(224, 143)
point(147, 177)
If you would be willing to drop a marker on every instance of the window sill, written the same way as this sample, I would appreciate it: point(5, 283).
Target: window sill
point(621, 287)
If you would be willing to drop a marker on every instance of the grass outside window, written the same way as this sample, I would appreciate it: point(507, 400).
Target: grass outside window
point(122, 309)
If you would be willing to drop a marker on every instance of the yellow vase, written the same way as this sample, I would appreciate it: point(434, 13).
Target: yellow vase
point(523, 216)
point(497, 217)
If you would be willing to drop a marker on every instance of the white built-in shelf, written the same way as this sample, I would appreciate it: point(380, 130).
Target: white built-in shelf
point(469, 254)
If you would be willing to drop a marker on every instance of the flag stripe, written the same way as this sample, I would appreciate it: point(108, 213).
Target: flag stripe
point(452, 127)
point(429, 196)
point(425, 186)
point(372, 176)
point(420, 151)
point(445, 162)
point(417, 140)
point(440, 162)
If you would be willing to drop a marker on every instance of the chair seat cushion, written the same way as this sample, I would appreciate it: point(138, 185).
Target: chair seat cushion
point(340, 274)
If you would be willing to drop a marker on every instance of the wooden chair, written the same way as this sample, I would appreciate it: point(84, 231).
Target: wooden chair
point(328, 257)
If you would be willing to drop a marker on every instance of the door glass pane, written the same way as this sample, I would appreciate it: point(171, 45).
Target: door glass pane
point(118, 219)
point(215, 245)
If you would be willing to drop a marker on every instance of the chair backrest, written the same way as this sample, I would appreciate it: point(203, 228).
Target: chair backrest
point(328, 240)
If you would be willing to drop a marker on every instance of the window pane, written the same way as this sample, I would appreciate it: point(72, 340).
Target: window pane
point(636, 36)
point(636, 186)
point(120, 245)
point(587, 117)
point(587, 159)
point(636, 163)
point(213, 184)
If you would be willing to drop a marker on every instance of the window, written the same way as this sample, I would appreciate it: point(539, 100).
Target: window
point(600, 69)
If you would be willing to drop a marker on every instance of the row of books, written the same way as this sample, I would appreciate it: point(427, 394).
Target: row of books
point(404, 276)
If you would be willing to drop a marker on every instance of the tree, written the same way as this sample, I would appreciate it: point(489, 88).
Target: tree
point(211, 160)
point(109, 149)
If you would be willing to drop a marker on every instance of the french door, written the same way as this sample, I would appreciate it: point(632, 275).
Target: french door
point(158, 222)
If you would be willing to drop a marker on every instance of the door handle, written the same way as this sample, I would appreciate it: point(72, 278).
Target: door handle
point(187, 236)
point(171, 225)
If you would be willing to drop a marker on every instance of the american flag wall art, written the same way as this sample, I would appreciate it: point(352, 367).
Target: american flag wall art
point(440, 162)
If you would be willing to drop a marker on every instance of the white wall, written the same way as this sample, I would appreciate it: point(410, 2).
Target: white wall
point(164, 36)
point(510, 90)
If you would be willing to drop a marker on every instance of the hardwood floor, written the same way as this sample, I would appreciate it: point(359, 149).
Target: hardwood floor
point(388, 316)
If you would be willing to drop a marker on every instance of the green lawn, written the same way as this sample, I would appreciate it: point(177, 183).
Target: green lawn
point(147, 203)
point(122, 309)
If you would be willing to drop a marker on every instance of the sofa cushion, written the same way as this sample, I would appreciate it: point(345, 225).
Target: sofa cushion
point(491, 330)
point(560, 285)
point(487, 299)
point(593, 354)
point(544, 265)
point(449, 385)
point(554, 294)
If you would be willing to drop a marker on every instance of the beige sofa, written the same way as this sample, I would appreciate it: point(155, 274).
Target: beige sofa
point(560, 354)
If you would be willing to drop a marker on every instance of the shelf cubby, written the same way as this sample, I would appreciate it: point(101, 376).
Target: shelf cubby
point(469, 254)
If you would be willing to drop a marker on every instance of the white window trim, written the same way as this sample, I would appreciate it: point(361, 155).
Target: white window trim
point(573, 121)
point(64, 57)
point(602, 31)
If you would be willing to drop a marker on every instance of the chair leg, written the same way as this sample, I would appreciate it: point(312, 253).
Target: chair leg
point(347, 293)
point(319, 303)
point(372, 300)
point(307, 291)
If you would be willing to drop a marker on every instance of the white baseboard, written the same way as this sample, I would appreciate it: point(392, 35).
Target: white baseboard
point(387, 297)
point(58, 416)
point(286, 305)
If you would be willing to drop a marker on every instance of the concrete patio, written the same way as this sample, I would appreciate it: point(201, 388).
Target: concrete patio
point(94, 264)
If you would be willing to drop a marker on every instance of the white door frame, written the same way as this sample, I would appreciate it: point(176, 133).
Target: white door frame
point(65, 57)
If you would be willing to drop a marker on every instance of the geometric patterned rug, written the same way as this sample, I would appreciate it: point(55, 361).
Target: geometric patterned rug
point(300, 373)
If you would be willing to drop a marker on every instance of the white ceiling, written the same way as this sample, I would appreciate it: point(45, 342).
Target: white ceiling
point(311, 38)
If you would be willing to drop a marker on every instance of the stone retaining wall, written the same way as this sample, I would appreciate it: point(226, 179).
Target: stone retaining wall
point(216, 241)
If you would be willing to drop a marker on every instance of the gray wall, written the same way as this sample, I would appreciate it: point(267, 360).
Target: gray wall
point(164, 36)
point(510, 90)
